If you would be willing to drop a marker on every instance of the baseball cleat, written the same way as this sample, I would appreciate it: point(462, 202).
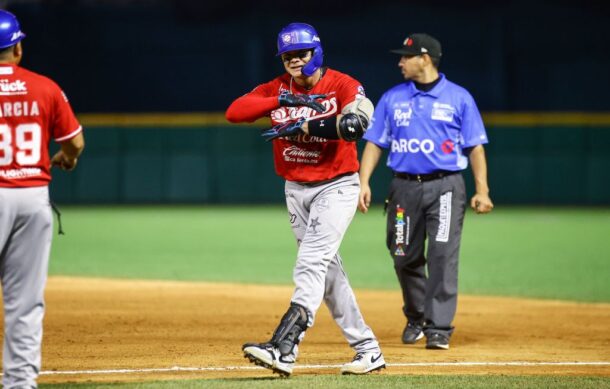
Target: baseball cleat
point(437, 341)
point(364, 363)
point(412, 333)
point(268, 356)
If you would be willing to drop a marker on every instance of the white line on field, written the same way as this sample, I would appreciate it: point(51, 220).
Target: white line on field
point(245, 368)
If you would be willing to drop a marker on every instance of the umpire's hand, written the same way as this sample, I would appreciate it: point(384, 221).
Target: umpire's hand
point(481, 203)
point(364, 200)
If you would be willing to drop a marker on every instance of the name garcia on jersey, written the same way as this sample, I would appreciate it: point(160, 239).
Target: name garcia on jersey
point(19, 108)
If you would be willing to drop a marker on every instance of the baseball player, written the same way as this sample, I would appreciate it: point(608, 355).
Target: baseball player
point(33, 110)
point(432, 127)
point(318, 113)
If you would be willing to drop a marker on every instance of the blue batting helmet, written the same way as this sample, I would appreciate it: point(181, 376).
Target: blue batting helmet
point(10, 32)
point(299, 36)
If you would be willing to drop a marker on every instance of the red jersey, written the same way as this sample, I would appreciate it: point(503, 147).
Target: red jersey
point(304, 158)
point(33, 110)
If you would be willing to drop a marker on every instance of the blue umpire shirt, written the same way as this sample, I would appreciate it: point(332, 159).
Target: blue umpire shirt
point(426, 131)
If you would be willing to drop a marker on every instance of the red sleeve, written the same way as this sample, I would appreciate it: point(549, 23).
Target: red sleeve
point(253, 105)
point(348, 91)
point(64, 124)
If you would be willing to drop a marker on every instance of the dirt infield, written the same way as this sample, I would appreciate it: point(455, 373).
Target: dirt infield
point(95, 324)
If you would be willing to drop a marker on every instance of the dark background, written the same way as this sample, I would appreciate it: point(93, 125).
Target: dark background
point(161, 55)
point(182, 56)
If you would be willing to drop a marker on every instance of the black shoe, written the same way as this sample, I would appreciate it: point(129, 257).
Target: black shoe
point(436, 341)
point(412, 333)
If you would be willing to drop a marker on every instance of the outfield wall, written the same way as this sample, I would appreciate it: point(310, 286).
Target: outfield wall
point(199, 158)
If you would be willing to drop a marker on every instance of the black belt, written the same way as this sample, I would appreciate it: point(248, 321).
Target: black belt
point(424, 177)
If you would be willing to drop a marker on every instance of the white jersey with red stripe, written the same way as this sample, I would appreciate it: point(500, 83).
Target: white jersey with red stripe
point(33, 110)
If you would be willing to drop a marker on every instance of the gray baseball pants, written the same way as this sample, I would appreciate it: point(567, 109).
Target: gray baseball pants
point(25, 243)
point(432, 210)
point(320, 216)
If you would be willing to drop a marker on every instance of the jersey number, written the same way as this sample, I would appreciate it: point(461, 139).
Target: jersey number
point(27, 144)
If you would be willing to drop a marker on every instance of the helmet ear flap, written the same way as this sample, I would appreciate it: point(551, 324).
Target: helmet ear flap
point(316, 61)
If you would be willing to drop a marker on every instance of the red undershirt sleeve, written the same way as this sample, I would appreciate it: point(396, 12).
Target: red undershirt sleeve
point(252, 106)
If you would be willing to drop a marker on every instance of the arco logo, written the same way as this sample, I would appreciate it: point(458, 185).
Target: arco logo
point(425, 146)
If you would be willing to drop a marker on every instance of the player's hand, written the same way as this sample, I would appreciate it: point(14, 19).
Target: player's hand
point(364, 201)
point(289, 100)
point(284, 129)
point(63, 162)
point(481, 203)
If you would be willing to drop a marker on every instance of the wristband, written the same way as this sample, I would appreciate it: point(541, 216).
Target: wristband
point(323, 128)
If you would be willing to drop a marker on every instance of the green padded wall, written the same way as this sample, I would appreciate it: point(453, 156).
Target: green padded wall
point(232, 164)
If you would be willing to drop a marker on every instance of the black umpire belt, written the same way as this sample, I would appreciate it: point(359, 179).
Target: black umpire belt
point(425, 177)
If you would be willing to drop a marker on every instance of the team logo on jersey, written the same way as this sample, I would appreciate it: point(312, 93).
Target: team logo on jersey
point(448, 146)
point(286, 114)
point(306, 138)
point(16, 87)
point(412, 145)
point(442, 112)
point(296, 154)
point(402, 116)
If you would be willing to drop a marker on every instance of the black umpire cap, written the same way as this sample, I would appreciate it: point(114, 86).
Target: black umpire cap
point(418, 44)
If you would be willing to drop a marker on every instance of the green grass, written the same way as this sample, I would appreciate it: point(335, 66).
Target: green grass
point(556, 253)
point(379, 381)
point(560, 253)
point(541, 252)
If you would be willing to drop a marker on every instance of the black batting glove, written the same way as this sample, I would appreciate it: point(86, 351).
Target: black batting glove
point(284, 129)
point(289, 100)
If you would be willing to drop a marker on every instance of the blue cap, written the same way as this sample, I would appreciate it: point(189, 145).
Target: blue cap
point(10, 31)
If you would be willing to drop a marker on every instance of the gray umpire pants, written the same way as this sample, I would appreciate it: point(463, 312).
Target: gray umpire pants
point(432, 210)
point(320, 216)
point(25, 243)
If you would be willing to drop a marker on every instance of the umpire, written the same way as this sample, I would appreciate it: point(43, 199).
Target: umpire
point(432, 127)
